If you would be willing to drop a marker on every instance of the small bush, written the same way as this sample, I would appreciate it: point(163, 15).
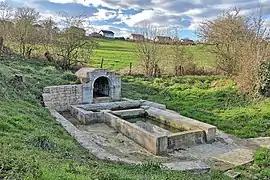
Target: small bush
point(264, 76)
point(262, 158)
point(151, 166)
point(120, 38)
point(43, 142)
point(69, 76)
point(49, 69)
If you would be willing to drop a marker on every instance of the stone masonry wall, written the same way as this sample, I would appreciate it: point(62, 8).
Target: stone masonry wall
point(61, 97)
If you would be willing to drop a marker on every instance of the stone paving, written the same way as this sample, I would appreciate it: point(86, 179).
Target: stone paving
point(104, 142)
point(263, 142)
point(237, 157)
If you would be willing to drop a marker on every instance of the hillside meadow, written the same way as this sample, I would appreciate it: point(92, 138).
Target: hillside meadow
point(118, 54)
point(34, 146)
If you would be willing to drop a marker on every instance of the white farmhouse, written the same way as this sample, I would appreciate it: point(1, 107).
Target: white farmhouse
point(106, 33)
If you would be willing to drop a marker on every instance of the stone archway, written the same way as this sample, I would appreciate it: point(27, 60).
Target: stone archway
point(101, 87)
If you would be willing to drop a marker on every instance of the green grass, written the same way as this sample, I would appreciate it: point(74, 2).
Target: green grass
point(34, 146)
point(119, 54)
point(213, 100)
point(116, 54)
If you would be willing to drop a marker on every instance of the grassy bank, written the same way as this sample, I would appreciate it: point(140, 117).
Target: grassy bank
point(34, 146)
point(211, 99)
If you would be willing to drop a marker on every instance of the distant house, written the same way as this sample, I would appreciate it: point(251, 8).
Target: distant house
point(136, 37)
point(267, 38)
point(163, 39)
point(187, 41)
point(105, 33)
point(95, 34)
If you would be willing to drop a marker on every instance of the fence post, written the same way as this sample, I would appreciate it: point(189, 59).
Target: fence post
point(101, 64)
point(130, 66)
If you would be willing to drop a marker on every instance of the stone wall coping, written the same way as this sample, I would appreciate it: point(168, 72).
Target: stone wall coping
point(71, 85)
point(185, 132)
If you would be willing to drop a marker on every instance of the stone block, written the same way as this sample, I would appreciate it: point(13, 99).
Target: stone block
point(112, 105)
point(186, 139)
point(48, 104)
point(193, 166)
point(153, 104)
point(61, 89)
point(151, 142)
point(47, 90)
point(237, 157)
point(54, 89)
point(46, 97)
point(232, 174)
point(129, 113)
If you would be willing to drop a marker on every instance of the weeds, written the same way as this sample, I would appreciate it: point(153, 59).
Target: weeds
point(43, 142)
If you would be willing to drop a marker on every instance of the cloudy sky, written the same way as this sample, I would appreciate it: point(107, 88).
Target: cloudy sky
point(122, 16)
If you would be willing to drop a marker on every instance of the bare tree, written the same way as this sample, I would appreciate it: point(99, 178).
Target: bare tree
point(5, 23)
point(149, 50)
point(239, 44)
point(27, 14)
point(71, 43)
point(25, 34)
point(177, 53)
point(48, 33)
point(6, 11)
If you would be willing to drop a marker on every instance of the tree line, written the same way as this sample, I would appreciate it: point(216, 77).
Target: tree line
point(238, 41)
point(24, 30)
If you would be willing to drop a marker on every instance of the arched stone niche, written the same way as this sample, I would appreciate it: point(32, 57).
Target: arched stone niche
point(101, 84)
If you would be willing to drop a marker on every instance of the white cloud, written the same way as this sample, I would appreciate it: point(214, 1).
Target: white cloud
point(137, 18)
point(103, 14)
point(83, 2)
point(184, 13)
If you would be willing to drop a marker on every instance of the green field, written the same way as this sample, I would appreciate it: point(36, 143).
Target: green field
point(119, 54)
point(116, 54)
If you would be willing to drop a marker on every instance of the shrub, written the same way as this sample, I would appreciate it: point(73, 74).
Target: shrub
point(49, 69)
point(43, 142)
point(239, 44)
point(151, 166)
point(262, 158)
point(120, 38)
point(264, 76)
point(69, 76)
